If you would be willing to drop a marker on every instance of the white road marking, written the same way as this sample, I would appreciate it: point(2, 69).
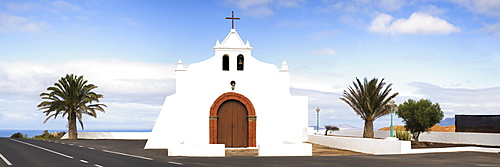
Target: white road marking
point(97, 165)
point(91, 148)
point(70, 144)
point(55, 152)
point(5, 160)
point(175, 163)
point(63, 143)
point(83, 161)
point(80, 146)
point(135, 156)
point(56, 142)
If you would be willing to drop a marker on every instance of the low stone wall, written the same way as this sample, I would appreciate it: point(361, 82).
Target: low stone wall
point(381, 146)
point(112, 135)
point(486, 139)
point(364, 145)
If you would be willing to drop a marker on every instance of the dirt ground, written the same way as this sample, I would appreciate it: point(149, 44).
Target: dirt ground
point(318, 150)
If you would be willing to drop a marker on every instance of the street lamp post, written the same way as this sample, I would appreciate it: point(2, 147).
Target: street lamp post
point(317, 119)
point(391, 103)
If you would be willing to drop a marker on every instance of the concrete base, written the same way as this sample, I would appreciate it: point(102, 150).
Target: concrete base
point(392, 138)
point(197, 150)
point(301, 149)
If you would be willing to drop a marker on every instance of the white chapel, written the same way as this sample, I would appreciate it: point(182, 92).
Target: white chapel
point(230, 100)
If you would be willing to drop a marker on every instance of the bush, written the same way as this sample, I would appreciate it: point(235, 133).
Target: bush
point(19, 135)
point(47, 136)
point(401, 134)
point(419, 116)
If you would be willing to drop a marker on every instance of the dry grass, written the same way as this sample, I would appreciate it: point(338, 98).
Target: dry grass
point(320, 150)
point(241, 152)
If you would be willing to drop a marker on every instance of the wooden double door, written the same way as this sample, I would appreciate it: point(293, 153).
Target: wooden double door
point(232, 124)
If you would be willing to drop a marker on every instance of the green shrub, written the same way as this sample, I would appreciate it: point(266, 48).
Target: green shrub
point(18, 135)
point(47, 136)
point(403, 135)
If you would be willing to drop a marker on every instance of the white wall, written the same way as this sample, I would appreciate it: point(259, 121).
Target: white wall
point(381, 146)
point(364, 145)
point(487, 139)
point(112, 135)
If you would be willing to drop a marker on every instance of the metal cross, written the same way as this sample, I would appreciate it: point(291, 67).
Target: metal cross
point(232, 19)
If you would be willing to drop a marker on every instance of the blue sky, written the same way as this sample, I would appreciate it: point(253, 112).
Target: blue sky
point(446, 51)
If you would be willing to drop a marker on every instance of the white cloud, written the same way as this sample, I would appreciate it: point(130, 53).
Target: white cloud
point(290, 3)
point(363, 6)
point(133, 92)
point(115, 77)
point(324, 52)
point(390, 5)
point(417, 23)
point(63, 5)
point(485, 7)
point(433, 10)
point(128, 21)
point(324, 34)
point(53, 6)
point(262, 8)
point(462, 101)
point(494, 28)
point(12, 23)
point(24, 6)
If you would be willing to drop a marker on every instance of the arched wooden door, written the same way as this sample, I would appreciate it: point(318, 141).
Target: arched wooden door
point(232, 124)
point(251, 119)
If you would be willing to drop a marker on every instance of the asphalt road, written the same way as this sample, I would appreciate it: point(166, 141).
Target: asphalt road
point(33, 153)
point(24, 152)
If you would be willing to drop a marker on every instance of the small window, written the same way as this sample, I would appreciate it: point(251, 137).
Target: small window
point(241, 61)
point(225, 63)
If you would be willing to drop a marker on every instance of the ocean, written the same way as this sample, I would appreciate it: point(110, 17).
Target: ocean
point(33, 133)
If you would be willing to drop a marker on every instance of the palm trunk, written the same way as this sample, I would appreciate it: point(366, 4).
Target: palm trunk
point(368, 130)
point(72, 133)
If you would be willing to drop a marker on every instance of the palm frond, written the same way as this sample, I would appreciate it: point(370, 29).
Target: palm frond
point(70, 94)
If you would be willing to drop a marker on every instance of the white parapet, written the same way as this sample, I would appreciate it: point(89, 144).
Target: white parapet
point(197, 150)
point(286, 149)
point(364, 145)
point(112, 135)
point(486, 139)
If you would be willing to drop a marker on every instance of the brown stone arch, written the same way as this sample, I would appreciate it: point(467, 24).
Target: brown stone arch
point(251, 116)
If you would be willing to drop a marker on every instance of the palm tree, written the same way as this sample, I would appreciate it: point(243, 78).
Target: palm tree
point(369, 100)
point(71, 96)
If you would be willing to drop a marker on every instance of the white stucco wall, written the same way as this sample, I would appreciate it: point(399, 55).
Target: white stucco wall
point(112, 135)
point(487, 139)
point(364, 145)
point(184, 117)
point(381, 146)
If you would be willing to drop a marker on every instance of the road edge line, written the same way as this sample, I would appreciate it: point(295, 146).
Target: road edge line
point(5, 160)
point(43, 148)
point(125, 154)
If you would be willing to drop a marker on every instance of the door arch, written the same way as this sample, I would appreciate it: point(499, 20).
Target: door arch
point(251, 118)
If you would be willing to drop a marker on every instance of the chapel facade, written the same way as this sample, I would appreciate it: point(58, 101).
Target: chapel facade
point(231, 99)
